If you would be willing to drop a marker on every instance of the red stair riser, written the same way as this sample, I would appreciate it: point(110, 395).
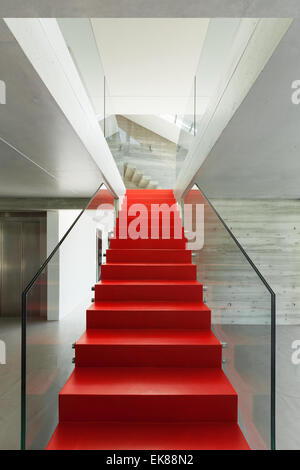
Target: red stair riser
point(159, 198)
point(124, 217)
point(148, 319)
point(118, 271)
point(130, 202)
point(151, 225)
point(150, 204)
point(154, 232)
point(148, 355)
point(147, 408)
point(148, 256)
point(138, 435)
point(157, 192)
point(148, 243)
point(148, 292)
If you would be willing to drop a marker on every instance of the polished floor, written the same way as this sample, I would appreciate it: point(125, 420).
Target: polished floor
point(50, 363)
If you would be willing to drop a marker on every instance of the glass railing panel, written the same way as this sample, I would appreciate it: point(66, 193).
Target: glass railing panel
point(54, 312)
point(243, 315)
point(151, 156)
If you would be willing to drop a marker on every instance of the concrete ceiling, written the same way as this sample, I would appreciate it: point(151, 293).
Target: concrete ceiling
point(258, 153)
point(40, 154)
point(149, 8)
point(150, 63)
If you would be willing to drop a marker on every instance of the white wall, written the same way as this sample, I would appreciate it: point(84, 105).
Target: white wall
point(72, 271)
point(77, 261)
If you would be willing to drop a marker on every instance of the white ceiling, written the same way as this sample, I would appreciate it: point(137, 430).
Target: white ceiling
point(150, 63)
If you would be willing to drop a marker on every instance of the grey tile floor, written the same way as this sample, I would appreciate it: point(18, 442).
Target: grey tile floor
point(49, 363)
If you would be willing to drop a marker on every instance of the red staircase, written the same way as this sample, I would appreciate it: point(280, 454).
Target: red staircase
point(148, 371)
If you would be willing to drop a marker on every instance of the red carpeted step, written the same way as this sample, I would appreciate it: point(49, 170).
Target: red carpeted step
point(148, 256)
point(151, 200)
point(148, 348)
point(149, 290)
point(146, 196)
point(147, 244)
point(151, 225)
point(153, 230)
point(150, 192)
point(151, 314)
point(125, 217)
point(145, 271)
point(147, 394)
point(148, 436)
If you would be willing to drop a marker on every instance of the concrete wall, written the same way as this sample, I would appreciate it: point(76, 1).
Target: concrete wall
point(269, 230)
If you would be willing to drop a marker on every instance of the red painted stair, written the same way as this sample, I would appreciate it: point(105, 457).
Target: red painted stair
point(148, 314)
point(85, 435)
point(148, 372)
point(148, 256)
point(152, 348)
point(155, 271)
point(154, 290)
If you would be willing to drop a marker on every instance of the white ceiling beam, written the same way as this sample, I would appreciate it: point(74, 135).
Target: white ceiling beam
point(44, 46)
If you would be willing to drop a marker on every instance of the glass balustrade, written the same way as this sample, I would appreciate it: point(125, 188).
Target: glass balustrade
point(243, 315)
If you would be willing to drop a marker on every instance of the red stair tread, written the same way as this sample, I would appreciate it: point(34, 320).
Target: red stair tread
point(146, 265)
point(147, 436)
point(149, 282)
point(148, 314)
point(148, 337)
point(154, 271)
point(149, 305)
point(148, 381)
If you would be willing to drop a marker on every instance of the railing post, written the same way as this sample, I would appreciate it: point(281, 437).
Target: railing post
point(273, 371)
point(23, 371)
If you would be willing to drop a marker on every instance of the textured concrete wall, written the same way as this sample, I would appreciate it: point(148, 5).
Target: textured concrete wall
point(269, 230)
